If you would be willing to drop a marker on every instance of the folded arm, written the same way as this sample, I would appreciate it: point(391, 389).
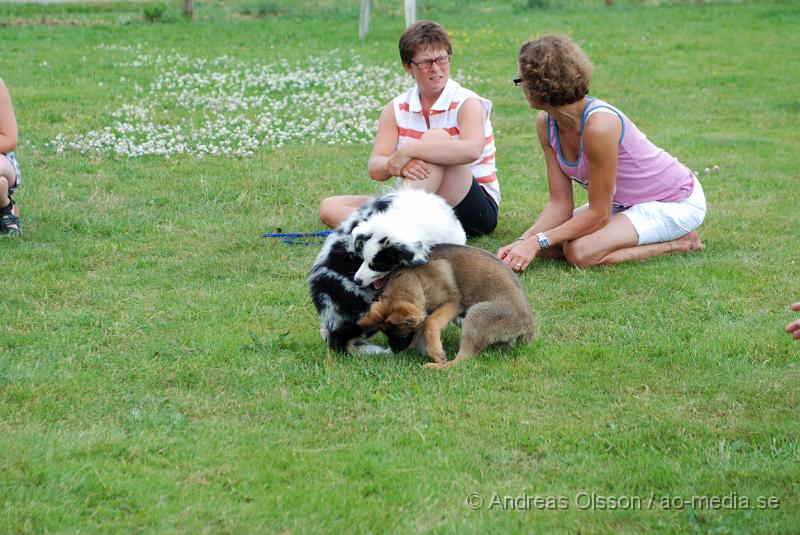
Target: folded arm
point(466, 149)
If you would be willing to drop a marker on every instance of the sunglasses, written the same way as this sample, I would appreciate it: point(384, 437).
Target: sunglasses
point(517, 80)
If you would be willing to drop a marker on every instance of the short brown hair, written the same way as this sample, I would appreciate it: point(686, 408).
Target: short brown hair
point(555, 70)
point(423, 33)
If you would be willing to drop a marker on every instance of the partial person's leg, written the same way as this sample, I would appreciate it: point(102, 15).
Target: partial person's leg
point(430, 184)
point(334, 210)
point(456, 184)
point(451, 182)
point(4, 200)
point(618, 242)
point(477, 212)
point(684, 244)
point(8, 179)
point(9, 215)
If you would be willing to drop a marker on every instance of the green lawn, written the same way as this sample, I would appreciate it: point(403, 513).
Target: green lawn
point(161, 368)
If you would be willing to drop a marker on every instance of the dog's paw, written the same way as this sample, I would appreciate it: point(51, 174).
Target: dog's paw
point(437, 355)
point(435, 366)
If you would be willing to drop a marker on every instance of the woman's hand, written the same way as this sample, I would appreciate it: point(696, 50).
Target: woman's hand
point(519, 254)
point(397, 161)
point(794, 327)
point(415, 169)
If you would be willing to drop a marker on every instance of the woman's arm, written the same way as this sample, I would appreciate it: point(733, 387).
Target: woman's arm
point(557, 219)
point(466, 149)
point(557, 210)
point(600, 137)
point(8, 123)
point(384, 146)
point(561, 203)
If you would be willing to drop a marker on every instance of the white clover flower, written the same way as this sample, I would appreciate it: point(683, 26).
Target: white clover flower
point(225, 106)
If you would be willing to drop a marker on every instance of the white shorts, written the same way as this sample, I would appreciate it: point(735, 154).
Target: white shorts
point(658, 221)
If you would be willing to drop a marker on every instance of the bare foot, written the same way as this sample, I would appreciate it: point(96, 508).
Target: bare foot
point(689, 242)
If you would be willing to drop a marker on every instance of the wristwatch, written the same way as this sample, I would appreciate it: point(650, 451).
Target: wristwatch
point(544, 243)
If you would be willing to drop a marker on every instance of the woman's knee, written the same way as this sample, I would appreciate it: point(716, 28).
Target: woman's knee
point(579, 255)
point(333, 210)
point(328, 209)
point(436, 134)
point(8, 174)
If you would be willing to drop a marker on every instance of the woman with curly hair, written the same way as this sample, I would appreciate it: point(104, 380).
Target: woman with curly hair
point(643, 202)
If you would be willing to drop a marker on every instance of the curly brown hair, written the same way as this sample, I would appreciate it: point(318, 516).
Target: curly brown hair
point(423, 33)
point(555, 70)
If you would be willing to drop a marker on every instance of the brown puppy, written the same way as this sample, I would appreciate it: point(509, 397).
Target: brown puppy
point(456, 280)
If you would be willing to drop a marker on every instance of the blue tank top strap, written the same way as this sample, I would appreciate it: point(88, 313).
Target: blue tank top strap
point(591, 107)
point(549, 134)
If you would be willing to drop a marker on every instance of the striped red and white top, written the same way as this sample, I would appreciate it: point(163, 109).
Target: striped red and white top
point(444, 114)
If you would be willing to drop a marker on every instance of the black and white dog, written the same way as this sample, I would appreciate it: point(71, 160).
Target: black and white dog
point(396, 229)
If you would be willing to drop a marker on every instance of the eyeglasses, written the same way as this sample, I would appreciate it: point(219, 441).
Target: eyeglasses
point(517, 80)
point(426, 64)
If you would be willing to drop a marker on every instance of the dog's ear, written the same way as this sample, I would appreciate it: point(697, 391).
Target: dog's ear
point(407, 314)
point(373, 318)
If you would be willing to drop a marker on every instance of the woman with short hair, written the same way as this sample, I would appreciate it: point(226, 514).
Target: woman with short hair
point(436, 136)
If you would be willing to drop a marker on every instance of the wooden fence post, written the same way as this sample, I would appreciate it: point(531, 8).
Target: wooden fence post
point(363, 26)
point(411, 11)
point(409, 6)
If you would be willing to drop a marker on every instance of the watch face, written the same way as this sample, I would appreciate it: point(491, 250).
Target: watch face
point(544, 243)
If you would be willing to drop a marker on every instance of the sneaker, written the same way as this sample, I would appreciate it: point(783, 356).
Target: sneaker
point(9, 222)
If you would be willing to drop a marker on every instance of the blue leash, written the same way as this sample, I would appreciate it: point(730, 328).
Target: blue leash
point(290, 238)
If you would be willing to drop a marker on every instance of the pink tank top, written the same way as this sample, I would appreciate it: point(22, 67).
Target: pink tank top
point(644, 172)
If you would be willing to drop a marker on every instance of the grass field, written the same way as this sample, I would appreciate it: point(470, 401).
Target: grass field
point(161, 368)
